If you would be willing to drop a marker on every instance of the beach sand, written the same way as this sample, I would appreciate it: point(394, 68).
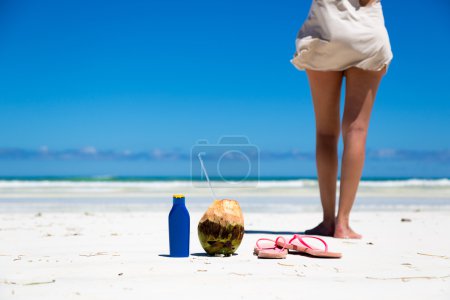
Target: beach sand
point(62, 251)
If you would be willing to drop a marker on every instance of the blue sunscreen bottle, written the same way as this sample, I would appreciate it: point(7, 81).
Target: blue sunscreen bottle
point(179, 227)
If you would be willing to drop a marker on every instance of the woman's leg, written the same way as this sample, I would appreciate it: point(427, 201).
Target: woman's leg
point(360, 91)
point(326, 91)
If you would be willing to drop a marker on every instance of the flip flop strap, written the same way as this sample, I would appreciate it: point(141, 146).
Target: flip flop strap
point(300, 239)
point(283, 240)
point(275, 243)
point(263, 239)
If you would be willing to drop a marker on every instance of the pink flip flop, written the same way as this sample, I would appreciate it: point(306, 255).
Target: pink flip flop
point(276, 250)
point(298, 244)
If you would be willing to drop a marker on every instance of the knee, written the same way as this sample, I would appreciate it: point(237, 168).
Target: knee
point(357, 130)
point(329, 138)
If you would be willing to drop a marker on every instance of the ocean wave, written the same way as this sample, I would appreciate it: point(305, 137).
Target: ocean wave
point(91, 184)
point(398, 183)
point(165, 184)
point(443, 182)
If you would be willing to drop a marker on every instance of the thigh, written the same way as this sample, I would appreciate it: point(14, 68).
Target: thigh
point(326, 92)
point(361, 87)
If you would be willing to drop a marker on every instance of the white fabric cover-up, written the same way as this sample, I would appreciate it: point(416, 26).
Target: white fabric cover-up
point(339, 34)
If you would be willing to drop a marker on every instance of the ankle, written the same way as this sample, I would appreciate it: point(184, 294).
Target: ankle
point(343, 221)
point(329, 222)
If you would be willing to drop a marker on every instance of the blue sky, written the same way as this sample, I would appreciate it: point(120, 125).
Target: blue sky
point(155, 76)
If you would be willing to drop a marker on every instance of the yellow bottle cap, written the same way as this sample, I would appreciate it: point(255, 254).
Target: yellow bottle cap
point(178, 196)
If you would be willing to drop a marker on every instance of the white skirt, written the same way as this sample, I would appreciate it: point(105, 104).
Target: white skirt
point(339, 34)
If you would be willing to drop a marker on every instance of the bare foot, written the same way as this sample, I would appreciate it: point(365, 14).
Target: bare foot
point(321, 229)
point(345, 232)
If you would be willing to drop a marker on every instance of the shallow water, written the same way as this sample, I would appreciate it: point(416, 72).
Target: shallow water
point(266, 196)
point(261, 204)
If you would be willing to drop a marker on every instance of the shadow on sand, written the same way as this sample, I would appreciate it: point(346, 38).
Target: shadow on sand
point(195, 254)
point(272, 232)
point(212, 256)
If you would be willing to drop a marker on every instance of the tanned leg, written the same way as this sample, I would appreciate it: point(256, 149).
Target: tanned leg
point(326, 91)
point(360, 89)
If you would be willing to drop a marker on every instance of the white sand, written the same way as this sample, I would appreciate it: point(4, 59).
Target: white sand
point(117, 255)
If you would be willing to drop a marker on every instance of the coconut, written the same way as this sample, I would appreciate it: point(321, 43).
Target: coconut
point(221, 228)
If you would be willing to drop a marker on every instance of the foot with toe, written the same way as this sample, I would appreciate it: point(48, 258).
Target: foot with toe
point(343, 231)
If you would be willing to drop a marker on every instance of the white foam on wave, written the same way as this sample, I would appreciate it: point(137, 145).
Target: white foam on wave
point(444, 182)
point(90, 184)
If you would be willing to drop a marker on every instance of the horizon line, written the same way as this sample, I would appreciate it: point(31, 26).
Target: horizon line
point(90, 153)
